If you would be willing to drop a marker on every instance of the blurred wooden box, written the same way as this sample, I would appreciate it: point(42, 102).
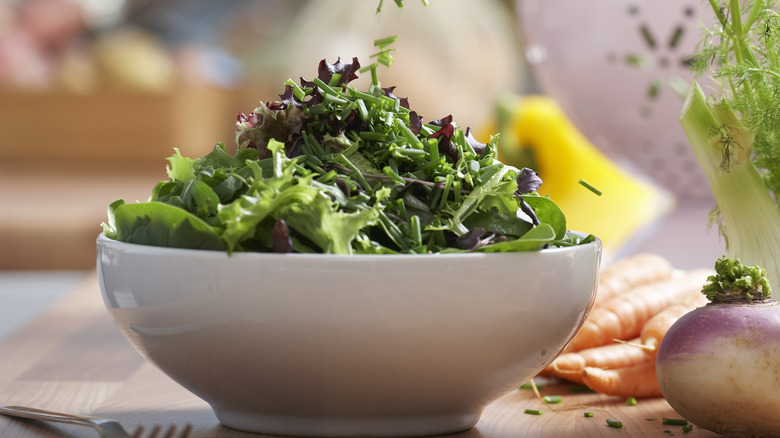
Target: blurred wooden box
point(65, 156)
point(112, 124)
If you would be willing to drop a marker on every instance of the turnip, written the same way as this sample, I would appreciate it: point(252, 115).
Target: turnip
point(719, 365)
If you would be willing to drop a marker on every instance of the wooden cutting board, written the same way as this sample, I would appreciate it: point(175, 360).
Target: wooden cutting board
point(73, 359)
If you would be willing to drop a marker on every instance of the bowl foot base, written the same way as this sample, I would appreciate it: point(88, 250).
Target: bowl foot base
point(303, 426)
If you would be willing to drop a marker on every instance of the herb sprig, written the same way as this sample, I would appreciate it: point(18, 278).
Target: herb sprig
point(735, 132)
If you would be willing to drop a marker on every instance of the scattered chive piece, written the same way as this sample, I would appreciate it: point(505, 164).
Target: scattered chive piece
point(386, 41)
point(590, 187)
point(552, 399)
point(588, 414)
point(615, 424)
point(674, 421)
point(687, 428)
point(631, 401)
point(528, 385)
point(533, 411)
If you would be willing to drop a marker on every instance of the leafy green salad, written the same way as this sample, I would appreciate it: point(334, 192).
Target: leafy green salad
point(331, 169)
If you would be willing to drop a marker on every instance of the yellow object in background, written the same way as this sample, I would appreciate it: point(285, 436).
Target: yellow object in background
point(536, 133)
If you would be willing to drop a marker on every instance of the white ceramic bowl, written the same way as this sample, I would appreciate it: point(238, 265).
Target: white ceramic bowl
point(362, 345)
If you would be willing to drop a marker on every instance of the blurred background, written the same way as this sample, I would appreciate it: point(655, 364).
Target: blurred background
point(95, 94)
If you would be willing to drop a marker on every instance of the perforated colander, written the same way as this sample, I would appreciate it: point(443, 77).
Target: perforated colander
point(620, 70)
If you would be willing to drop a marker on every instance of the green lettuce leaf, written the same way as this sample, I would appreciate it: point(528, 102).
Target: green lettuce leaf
point(160, 224)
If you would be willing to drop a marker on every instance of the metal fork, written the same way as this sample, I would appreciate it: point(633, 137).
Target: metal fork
point(105, 427)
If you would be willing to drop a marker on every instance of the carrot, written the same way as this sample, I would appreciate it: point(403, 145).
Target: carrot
point(656, 327)
point(613, 356)
point(548, 371)
point(569, 366)
point(623, 316)
point(638, 381)
point(630, 272)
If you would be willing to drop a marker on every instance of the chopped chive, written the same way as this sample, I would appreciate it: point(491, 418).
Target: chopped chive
point(374, 76)
point(466, 146)
point(392, 230)
point(445, 195)
point(334, 79)
point(315, 165)
point(350, 150)
point(325, 87)
point(590, 187)
point(335, 99)
point(368, 97)
point(409, 153)
point(347, 111)
point(327, 177)
point(473, 167)
point(384, 57)
point(375, 136)
point(533, 411)
point(433, 164)
point(394, 176)
point(389, 119)
point(362, 110)
point(393, 163)
point(529, 386)
point(297, 90)
point(386, 41)
point(613, 423)
point(318, 109)
point(437, 194)
point(687, 428)
point(408, 134)
point(631, 401)
point(458, 193)
point(487, 173)
point(416, 230)
point(552, 399)
point(356, 172)
point(674, 421)
point(433, 147)
point(315, 146)
point(588, 414)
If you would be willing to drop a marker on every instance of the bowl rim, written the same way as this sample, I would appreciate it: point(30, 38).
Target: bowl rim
point(104, 241)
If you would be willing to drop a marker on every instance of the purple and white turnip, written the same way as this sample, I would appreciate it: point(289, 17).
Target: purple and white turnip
point(719, 365)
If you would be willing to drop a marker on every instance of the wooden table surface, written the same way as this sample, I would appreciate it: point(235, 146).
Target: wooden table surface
point(73, 359)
